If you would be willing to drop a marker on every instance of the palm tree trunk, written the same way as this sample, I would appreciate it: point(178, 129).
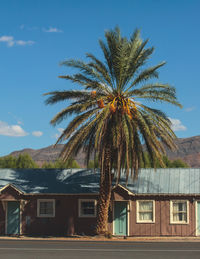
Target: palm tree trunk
point(104, 193)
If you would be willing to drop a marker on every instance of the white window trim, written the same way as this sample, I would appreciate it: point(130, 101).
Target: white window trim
point(45, 215)
point(87, 216)
point(196, 216)
point(137, 212)
point(171, 213)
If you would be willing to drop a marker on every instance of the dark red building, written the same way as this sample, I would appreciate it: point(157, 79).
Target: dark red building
point(165, 202)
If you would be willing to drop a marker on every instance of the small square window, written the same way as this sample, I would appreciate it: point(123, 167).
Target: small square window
point(179, 212)
point(145, 211)
point(87, 208)
point(46, 208)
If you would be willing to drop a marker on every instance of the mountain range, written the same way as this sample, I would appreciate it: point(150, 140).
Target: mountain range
point(188, 150)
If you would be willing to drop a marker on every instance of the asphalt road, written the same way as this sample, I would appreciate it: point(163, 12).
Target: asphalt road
point(24, 249)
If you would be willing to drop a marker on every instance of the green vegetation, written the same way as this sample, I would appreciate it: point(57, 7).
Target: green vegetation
point(110, 115)
point(24, 161)
point(177, 163)
point(59, 164)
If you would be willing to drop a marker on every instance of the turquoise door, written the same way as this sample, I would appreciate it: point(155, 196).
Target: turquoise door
point(120, 218)
point(13, 217)
point(198, 219)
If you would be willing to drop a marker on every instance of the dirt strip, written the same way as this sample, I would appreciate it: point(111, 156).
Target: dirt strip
point(103, 239)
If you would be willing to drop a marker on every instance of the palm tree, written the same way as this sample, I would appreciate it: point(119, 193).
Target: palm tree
point(110, 118)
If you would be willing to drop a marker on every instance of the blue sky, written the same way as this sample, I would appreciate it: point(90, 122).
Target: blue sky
point(36, 35)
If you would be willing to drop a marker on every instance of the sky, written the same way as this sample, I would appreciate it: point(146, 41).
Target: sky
point(35, 36)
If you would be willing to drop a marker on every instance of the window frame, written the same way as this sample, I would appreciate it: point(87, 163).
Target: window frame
point(87, 215)
point(171, 212)
point(137, 212)
point(45, 215)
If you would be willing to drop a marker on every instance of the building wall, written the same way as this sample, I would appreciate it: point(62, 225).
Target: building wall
point(162, 225)
point(67, 222)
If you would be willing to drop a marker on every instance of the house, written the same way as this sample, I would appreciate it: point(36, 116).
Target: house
point(165, 202)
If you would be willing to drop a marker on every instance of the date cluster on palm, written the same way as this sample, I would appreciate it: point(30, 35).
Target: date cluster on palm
point(117, 103)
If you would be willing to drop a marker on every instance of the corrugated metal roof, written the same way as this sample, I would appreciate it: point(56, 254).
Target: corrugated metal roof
point(71, 181)
point(51, 181)
point(166, 181)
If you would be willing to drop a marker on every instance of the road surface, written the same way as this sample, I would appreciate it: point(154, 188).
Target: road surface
point(27, 249)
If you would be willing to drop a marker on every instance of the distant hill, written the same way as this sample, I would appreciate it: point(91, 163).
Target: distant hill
point(188, 151)
point(47, 154)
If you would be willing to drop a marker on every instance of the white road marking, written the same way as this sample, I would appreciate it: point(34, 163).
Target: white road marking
point(97, 250)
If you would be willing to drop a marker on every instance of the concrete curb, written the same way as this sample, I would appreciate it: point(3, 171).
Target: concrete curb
point(102, 239)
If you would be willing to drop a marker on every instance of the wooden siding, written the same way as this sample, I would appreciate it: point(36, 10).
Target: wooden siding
point(67, 222)
point(162, 225)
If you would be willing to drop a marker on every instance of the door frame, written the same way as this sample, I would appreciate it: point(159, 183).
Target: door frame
point(20, 215)
point(196, 216)
point(128, 209)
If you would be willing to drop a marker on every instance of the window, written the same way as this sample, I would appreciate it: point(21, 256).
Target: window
point(46, 208)
point(179, 212)
point(145, 211)
point(87, 208)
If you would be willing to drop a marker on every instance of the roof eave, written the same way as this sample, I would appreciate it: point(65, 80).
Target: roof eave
point(124, 188)
point(12, 186)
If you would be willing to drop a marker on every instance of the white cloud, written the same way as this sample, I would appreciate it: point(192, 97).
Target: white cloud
point(52, 29)
point(28, 28)
point(177, 125)
point(10, 41)
point(33, 28)
point(60, 131)
point(23, 43)
point(189, 109)
point(11, 130)
point(37, 133)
